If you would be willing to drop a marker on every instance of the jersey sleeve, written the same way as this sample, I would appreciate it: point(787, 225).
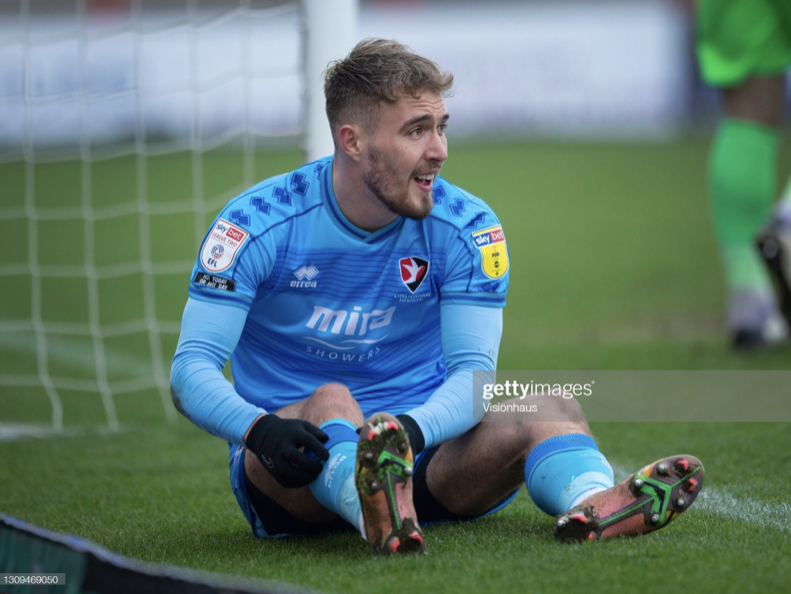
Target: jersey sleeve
point(235, 258)
point(209, 334)
point(477, 264)
point(470, 342)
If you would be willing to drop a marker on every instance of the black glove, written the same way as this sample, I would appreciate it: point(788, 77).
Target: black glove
point(276, 442)
point(416, 439)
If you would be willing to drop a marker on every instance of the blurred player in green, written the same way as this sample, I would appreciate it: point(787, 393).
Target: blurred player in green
point(744, 49)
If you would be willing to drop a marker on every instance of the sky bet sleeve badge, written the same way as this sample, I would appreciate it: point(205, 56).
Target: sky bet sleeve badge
point(494, 256)
point(221, 245)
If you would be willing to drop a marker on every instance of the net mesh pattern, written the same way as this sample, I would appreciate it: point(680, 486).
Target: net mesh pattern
point(123, 134)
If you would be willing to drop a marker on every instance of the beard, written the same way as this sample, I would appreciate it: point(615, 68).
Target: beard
point(383, 182)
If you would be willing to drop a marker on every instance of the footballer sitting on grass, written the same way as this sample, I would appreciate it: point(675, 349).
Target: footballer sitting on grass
point(364, 286)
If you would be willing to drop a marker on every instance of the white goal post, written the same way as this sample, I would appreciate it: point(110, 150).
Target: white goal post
point(330, 32)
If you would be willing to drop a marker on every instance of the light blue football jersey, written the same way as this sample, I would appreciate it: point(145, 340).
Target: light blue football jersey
point(328, 301)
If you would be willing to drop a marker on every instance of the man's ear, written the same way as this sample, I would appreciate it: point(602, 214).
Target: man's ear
point(350, 141)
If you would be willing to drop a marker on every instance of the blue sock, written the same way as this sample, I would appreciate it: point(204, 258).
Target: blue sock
point(562, 470)
point(334, 488)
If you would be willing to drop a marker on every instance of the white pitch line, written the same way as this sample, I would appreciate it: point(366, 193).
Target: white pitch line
point(724, 502)
point(14, 431)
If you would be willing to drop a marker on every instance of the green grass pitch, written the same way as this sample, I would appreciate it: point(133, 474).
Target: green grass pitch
point(613, 267)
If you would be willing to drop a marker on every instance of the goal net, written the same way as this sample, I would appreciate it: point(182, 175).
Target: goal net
point(125, 126)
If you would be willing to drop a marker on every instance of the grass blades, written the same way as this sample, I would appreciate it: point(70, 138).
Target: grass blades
point(162, 495)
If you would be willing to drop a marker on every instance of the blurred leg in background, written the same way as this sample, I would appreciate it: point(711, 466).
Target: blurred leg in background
point(744, 49)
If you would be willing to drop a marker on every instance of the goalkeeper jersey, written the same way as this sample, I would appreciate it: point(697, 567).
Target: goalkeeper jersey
point(328, 301)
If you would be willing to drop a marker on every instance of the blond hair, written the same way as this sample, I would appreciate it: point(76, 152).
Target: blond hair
point(378, 70)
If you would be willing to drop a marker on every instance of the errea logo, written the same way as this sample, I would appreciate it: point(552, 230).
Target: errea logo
point(305, 274)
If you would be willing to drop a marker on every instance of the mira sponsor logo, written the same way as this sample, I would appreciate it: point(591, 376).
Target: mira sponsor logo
point(344, 335)
point(355, 323)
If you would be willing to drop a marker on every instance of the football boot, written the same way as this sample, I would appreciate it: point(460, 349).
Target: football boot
point(646, 501)
point(383, 475)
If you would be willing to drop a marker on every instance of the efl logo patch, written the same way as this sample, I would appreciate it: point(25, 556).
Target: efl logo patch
point(494, 255)
point(221, 246)
point(413, 272)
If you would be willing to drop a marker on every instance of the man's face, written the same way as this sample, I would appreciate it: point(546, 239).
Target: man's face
point(405, 153)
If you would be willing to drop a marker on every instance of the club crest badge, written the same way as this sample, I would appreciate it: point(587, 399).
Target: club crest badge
point(494, 255)
point(220, 248)
point(413, 272)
